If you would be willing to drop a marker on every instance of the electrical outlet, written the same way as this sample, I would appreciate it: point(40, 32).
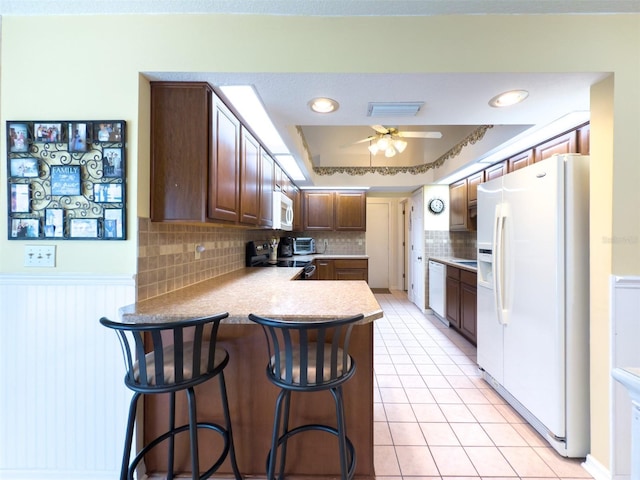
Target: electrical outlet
point(39, 256)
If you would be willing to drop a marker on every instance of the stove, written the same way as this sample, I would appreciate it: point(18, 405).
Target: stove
point(256, 256)
point(280, 263)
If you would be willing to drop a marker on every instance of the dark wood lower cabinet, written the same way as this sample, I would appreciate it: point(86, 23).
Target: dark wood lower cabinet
point(342, 269)
point(468, 309)
point(324, 270)
point(461, 307)
point(452, 307)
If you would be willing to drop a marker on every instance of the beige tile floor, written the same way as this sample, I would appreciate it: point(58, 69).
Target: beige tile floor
point(436, 418)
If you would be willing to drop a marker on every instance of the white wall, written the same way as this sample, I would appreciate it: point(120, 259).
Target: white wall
point(63, 401)
point(89, 72)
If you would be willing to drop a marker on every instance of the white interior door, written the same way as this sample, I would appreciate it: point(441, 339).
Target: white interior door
point(378, 246)
point(416, 291)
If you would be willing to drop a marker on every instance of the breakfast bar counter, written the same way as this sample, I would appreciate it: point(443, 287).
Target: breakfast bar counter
point(270, 292)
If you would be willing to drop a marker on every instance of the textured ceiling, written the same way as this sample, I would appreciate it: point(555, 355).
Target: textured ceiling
point(318, 7)
point(455, 104)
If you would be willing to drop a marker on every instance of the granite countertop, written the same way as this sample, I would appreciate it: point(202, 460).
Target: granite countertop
point(269, 292)
point(456, 262)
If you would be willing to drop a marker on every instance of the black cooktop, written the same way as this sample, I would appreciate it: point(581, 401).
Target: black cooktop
point(283, 263)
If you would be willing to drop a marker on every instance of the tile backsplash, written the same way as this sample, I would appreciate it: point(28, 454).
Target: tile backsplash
point(450, 244)
point(338, 243)
point(167, 259)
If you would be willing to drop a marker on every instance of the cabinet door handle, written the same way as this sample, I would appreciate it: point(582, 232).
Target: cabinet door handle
point(419, 258)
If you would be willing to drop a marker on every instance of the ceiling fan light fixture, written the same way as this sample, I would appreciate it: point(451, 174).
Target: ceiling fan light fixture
point(373, 148)
point(399, 145)
point(390, 151)
point(384, 142)
point(323, 105)
point(506, 99)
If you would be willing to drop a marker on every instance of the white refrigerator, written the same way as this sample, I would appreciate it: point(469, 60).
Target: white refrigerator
point(533, 296)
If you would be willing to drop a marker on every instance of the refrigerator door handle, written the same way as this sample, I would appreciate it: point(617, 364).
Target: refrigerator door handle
point(498, 262)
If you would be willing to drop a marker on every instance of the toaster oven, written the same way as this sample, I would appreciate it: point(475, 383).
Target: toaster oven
point(304, 246)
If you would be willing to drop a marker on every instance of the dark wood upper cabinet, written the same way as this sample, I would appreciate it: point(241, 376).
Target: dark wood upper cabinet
point(472, 188)
point(350, 211)
point(520, 160)
point(584, 137)
point(458, 211)
point(495, 171)
point(180, 151)
point(249, 178)
point(566, 143)
point(335, 211)
point(224, 174)
point(318, 210)
point(296, 196)
point(266, 189)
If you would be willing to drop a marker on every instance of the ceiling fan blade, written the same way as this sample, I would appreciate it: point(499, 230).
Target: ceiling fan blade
point(420, 134)
point(368, 139)
point(380, 129)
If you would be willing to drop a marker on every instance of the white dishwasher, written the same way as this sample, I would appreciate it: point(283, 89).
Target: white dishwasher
point(437, 290)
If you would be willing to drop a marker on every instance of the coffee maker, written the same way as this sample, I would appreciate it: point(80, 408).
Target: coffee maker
point(285, 247)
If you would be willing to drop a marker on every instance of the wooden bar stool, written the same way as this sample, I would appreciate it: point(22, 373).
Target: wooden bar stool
point(168, 358)
point(308, 356)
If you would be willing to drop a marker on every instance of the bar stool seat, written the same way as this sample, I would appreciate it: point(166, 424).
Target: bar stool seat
point(308, 356)
point(169, 358)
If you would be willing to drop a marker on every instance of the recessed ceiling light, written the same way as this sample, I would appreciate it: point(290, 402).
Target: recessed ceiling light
point(509, 98)
point(323, 105)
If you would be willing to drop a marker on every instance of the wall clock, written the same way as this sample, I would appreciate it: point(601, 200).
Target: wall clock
point(436, 206)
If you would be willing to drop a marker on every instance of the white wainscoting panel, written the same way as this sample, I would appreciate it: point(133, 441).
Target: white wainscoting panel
point(63, 403)
point(625, 352)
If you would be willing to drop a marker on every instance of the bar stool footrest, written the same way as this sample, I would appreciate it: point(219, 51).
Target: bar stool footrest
point(325, 428)
point(185, 428)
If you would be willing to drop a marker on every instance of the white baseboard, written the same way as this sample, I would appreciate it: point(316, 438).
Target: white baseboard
point(596, 469)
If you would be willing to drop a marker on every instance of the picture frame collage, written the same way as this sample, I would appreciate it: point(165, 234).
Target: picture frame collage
point(66, 180)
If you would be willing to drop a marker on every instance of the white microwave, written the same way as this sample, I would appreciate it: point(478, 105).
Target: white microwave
point(282, 212)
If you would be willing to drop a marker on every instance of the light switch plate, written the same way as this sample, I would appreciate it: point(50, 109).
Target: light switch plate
point(40, 256)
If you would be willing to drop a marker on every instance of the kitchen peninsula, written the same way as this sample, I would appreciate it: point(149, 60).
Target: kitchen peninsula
point(270, 292)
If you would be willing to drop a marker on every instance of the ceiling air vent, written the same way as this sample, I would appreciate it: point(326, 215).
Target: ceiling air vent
point(394, 109)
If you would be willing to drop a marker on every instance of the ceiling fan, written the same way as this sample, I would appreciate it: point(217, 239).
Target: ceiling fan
point(391, 141)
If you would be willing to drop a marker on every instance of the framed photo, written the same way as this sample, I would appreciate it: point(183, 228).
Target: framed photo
point(65, 180)
point(23, 167)
point(54, 223)
point(48, 132)
point(83, 228)
point(20, 198)
point(113, 223)
point(107, 132)
point(18, 134)
point(25, 228)
point(107, 192)
point(112, 162)
point(78, 139)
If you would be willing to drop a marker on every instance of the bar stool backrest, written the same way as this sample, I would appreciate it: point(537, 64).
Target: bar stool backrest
point(164, 357)
point(308, 354)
